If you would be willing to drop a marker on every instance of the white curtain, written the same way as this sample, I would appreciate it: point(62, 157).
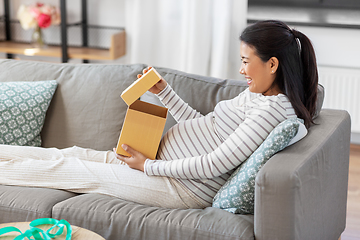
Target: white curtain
point(195, 36)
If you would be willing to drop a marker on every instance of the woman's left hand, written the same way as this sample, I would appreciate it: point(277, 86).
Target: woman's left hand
point(136, 161)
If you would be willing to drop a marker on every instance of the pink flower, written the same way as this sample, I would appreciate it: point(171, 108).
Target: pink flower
point(47, 9)
point(39, 14)
point(44, 20)
point(55, 17)
point(34, 11)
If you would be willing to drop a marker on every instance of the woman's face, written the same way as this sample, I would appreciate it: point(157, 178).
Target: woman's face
point(259, 75)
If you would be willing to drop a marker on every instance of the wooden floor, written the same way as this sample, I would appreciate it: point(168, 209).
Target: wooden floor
point(352, 231)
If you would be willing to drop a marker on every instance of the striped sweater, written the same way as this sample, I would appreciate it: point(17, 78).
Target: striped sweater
point(201, 152)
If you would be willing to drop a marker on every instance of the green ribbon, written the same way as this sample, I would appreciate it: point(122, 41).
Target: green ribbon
point(39, 234)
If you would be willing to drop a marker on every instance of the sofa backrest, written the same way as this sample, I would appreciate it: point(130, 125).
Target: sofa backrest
point(87, 110)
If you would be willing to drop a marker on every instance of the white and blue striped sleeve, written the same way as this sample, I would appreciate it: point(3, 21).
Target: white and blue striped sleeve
point(261, 119)
point(179, 109)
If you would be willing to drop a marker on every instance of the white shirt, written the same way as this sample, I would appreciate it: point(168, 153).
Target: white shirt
point(201, 152)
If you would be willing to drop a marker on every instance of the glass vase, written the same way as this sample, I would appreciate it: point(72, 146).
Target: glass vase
point(37, 38)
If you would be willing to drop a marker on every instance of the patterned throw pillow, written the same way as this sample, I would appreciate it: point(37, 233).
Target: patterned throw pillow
point(23, 106)
point(237, 194)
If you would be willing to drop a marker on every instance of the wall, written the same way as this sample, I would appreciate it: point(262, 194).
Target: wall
point(335, 47)
point(338, 52)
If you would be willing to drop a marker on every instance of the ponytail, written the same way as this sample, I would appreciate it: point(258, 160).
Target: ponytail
point(297, 75)
point(310, 76)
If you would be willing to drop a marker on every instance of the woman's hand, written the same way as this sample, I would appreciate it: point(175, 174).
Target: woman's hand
point(158, 87)
point(136, 161)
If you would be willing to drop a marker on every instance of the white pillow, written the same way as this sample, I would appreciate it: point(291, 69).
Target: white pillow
point(302, 132)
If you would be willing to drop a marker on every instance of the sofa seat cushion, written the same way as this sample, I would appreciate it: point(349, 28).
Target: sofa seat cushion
point(104, 215)
point(23, 204)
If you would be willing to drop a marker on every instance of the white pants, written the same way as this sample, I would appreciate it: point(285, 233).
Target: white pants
point(88, 171)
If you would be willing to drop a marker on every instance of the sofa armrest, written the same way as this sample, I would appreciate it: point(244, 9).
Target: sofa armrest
point(301, 192)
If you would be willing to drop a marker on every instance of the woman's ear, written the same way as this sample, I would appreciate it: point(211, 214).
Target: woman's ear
point(274, 64)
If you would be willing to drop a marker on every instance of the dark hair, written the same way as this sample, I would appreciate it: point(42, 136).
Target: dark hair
point(297, 75)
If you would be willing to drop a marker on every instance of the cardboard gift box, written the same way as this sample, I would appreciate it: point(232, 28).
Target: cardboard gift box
point(144, 122)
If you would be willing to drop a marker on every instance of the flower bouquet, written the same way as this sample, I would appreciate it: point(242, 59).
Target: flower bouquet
point(38, 16)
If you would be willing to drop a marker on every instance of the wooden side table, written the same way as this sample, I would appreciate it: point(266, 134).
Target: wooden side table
point(78, 233)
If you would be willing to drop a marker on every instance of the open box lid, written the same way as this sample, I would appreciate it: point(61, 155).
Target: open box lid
point(140, 86)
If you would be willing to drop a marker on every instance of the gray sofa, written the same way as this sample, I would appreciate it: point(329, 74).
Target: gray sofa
point(301, 192)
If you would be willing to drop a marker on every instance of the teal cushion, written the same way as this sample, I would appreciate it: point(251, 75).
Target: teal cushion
point(23, 106)
point(237, 194)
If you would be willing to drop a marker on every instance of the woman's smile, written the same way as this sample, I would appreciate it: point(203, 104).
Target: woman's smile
point(249, 80)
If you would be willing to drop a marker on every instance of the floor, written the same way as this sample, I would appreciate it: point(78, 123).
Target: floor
point(352, 231)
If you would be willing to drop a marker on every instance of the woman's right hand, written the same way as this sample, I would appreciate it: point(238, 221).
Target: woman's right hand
point(158, 87)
